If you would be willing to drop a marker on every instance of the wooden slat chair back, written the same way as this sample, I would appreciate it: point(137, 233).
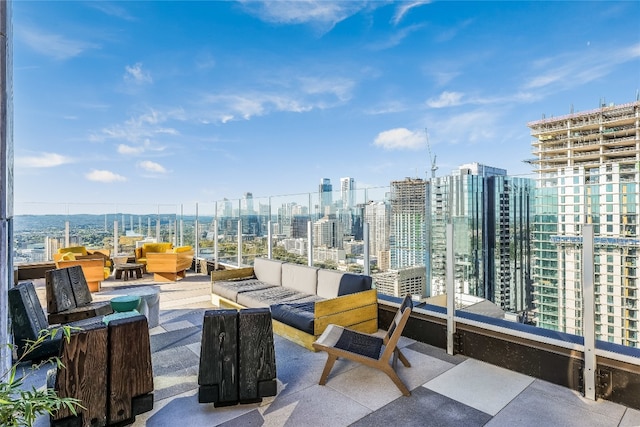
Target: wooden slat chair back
point(28, 319)
point(366, 348)
point(69, 298)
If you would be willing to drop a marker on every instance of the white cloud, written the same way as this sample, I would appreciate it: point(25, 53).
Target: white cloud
point(52, 45)
point(578, 68)
point(396, 38)
point(150, 166)
point(469, 127)
point(112, 10)
point(338, 86)
point(401, 139)
point(323, 15)
point(140, 129)
point(104, 176)
point(405, 7)
point(135, 74)
point(310, 93)
point(129, 150)
point(446, 99)
point(44, 160)
point(388, 107)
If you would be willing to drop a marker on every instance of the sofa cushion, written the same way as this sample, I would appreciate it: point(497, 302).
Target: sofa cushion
point(231, 289)
point(268, 270)
point(269, 296)
point(332, 283)
point(156, 247)
point(297, 315)
point(78, 250)
point(181, 249)
point(300, 278)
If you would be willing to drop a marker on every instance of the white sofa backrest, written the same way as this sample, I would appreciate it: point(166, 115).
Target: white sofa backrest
point(268, 271)
point(332, 283)
point(299, 277)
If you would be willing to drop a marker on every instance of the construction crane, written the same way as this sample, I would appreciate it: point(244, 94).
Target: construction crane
point(432, 158)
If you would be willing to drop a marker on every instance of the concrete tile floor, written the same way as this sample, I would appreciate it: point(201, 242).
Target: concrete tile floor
point(446, 390)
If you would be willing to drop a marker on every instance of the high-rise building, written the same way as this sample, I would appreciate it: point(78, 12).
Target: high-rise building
point(588, 166)
point(327, 232)
point(325, 193)
point(348, 192)
point(408, 235)
point(377, 215)
point(491, 217)
point(398, 283)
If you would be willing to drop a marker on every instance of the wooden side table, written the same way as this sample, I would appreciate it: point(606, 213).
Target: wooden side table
point(128, 269)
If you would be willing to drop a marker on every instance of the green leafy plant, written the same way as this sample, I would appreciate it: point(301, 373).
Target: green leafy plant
point(19, 406)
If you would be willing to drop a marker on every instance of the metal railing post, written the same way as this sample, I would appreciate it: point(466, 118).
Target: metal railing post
point(115, 237)
point(451, 291)
point(67, 238)
point(215, 242)
point(269, 241)
point(309, 244)
point(588, 313)
point(367, 262)
point(239, 243)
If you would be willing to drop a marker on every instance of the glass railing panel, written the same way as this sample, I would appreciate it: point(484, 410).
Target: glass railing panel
point(520, 252)
point(290, 216)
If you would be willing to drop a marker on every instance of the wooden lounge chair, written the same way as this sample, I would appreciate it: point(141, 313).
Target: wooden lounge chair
point(366, 348)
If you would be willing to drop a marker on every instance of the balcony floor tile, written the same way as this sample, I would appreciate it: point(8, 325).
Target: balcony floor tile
point(480, 385)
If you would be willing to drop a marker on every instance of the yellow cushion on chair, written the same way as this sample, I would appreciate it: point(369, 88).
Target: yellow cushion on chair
point(68, 256)
point(75, 249)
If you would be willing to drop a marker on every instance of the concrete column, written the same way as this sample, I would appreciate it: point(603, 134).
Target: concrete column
point(6, 179)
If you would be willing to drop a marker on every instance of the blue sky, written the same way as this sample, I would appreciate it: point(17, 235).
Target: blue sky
point(184, 102)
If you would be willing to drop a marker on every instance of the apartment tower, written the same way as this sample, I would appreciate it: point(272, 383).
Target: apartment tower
point(491, 215)
point(587, 166)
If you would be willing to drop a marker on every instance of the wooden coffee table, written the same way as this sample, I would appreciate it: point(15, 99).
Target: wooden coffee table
point(128, 269)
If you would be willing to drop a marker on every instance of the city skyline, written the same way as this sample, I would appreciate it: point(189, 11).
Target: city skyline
point(165, 102)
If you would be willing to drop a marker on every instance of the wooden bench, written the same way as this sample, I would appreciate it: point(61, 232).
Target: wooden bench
point(69, 298)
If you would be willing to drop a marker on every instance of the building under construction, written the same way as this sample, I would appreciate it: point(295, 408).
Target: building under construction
point(408, 235)
point(588, 172)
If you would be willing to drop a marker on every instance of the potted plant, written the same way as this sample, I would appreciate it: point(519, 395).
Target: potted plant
point(20, 406)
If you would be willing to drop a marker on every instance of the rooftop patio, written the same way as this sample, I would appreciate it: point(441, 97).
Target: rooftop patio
point(446, 390)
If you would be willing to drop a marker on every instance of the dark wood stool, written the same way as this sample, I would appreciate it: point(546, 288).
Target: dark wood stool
point(237, 357)
point(218, 371)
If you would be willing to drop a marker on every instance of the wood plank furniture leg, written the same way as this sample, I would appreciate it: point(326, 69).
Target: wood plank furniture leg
point(130, 370)
point(84, 377)
point(218, 369)
point(256, 355)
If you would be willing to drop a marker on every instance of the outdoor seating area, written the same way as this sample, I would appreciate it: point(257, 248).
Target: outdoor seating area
point(445, 390)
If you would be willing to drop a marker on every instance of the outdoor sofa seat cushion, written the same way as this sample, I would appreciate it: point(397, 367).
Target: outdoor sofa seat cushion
point(299, 315)
point(230, 289)
point(270, 296)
